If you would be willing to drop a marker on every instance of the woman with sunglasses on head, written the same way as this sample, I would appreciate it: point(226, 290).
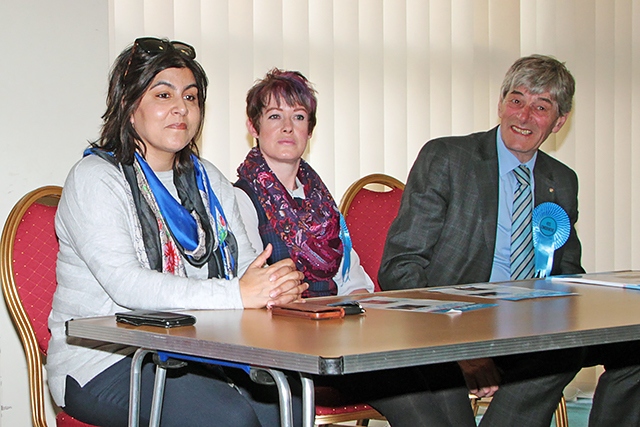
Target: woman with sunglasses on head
point(285, 204)
point(144, 223)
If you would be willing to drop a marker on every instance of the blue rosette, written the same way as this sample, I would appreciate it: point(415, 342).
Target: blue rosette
point(551, 228)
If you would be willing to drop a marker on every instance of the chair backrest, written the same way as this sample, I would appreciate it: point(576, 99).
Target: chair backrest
point(369, 212)
point(28, 253)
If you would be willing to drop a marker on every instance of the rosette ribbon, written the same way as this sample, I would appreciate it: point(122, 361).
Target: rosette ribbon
point(347, 245)
point(551, 228)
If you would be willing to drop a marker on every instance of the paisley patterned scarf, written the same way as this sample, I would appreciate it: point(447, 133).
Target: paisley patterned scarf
point(310, 228)
point(169, 232)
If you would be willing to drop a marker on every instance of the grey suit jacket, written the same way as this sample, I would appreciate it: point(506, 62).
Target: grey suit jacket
point(445, 232)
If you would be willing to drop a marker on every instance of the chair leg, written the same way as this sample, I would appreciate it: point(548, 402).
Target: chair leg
point(474, 405)
point(158, 396)
point(308, 400)
point(134, 393)
point(284, 392)
point(562, 419)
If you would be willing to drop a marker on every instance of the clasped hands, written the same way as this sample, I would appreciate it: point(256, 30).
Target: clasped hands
point(481, 375)
point(268, 285)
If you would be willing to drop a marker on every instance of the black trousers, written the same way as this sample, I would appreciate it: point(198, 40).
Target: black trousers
point(615, 401)
point(195, 395)
point(199, 395)
point(532, 385)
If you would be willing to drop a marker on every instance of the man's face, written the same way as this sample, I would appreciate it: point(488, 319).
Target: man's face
point(526, 120)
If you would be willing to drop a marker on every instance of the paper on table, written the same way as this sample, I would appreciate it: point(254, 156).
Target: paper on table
point(619, 279)
point(496, 291)
point(420, 305)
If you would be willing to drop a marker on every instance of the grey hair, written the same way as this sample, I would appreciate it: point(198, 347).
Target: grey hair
point(538, 74)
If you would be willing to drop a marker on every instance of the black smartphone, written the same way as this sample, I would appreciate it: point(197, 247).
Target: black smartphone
point(165, 319)
point(308, 311)
point(349, 307)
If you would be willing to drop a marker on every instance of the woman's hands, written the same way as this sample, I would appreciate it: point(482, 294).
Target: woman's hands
point(279, 283)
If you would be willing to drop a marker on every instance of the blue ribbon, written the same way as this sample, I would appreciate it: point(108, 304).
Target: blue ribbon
point(347, 245)
point(551, 228)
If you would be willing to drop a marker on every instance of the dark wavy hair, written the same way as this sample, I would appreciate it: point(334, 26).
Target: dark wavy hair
point(130, 77)
point(289, 86)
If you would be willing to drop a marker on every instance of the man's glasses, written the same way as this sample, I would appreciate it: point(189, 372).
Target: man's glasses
point(153, 46)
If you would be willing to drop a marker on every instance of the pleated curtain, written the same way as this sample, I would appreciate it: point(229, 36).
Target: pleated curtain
point(392, 74)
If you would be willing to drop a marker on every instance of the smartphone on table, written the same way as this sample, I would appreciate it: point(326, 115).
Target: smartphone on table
point(308, 311)
point(165, 319)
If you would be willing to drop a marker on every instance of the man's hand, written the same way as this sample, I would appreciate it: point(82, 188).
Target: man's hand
point(263, 285)
point(481, 375)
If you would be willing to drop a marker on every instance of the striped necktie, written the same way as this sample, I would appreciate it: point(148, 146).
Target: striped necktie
point(521, 231)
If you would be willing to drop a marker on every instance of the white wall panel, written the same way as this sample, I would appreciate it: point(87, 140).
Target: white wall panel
point(345, 142)
point(634, 90)
point(439, 72)
point(620, 143)
point(370, 75)
point(394, 100)
point(418, 88)
point(604, 132)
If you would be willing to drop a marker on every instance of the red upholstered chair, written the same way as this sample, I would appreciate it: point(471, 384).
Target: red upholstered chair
point(360, 208)
point(369, 212)
point(330, 409)
point(28, 252)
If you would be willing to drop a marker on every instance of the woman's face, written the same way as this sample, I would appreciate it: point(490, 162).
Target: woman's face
point(284, 132)
point(168, 116)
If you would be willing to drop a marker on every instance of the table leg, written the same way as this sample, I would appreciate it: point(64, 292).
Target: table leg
point(308, 400)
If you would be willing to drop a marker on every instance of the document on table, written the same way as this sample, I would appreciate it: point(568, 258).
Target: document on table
point(420, 305)
point(497, 291)
point(619, 279)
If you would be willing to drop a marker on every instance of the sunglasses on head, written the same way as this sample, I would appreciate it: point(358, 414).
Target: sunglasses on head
point(152, 46)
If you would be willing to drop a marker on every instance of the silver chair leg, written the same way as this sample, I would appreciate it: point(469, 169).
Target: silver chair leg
point(308, 401)
point(284, 393)
point(158, 396)
point(134, 386)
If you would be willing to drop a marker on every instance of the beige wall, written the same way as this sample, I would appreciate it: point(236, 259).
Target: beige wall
point(391, 74)
point(52, 78)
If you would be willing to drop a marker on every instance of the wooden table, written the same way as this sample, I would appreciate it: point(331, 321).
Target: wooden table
point(383, 339)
